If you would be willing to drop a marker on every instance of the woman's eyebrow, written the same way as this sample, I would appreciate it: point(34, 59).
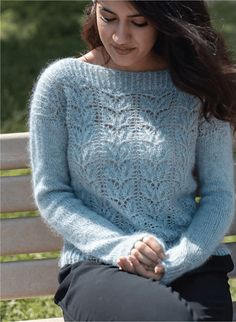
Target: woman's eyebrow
point(131, 16)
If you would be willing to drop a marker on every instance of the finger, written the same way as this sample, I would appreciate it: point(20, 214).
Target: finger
point(147, 251)
point(149, 268)
point(139, 268)
point(159, 269)
point(142, 258)
point(126, 264)
point(153, 243)
point(142, 271)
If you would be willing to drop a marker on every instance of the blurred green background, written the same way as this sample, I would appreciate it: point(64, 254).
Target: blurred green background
point(34, 33)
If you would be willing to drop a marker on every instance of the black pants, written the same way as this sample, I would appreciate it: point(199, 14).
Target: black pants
point(101, 292)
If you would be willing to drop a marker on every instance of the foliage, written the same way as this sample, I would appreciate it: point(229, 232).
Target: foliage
point(33, 34)
point(29, 309)
point(223, 15)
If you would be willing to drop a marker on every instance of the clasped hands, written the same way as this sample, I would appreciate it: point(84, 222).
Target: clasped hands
point(145, 259)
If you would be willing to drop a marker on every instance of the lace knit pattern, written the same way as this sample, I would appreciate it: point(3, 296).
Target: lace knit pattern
point(112, 155)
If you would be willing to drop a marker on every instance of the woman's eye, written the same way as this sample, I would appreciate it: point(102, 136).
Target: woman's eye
point(140, 24)
point(106, 19)
point(135, 23)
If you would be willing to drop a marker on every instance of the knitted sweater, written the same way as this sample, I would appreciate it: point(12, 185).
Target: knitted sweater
point(112, 157)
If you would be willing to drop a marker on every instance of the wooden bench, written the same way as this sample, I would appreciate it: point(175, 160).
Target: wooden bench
point(32, 278)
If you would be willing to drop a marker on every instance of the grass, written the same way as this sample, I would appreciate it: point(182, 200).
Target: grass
point(33, 33)
point(232, 283)
point(29, 309)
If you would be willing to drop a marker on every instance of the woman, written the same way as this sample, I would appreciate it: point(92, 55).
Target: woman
point(120, 139)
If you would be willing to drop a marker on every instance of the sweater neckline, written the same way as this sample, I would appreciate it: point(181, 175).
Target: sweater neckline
point(124, 80)
point(100, 67)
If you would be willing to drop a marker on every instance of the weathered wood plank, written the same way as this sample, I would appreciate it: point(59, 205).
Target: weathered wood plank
point(28, 278)
point(234, 143)
point(232, 229)
point(27, 235)
point(232, 247)
point(234, 310)
point(14, 154)
point(16, 194)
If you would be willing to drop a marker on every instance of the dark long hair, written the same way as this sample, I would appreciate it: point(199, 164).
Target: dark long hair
point(197, 55)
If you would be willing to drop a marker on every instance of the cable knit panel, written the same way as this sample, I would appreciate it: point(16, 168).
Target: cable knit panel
point(113, 154)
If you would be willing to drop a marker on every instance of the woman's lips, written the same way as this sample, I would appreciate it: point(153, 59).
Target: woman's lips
point(123, 51)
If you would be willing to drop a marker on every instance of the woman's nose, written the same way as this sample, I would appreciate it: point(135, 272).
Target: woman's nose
point(121, 35)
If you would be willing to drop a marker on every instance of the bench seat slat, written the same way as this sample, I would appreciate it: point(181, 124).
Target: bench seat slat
point(16, 194)
point(234, 310)
point(232, 247)
point(14, 153)
point(232, 230)
point(28, 278)
point(31, 235)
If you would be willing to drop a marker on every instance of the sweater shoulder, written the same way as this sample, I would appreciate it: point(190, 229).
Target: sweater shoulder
point(47, 96)
point(56, 71)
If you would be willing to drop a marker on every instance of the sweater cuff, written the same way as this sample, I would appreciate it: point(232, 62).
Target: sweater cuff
point(180, 259)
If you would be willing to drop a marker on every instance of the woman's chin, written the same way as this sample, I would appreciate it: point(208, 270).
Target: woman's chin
point(121, 63)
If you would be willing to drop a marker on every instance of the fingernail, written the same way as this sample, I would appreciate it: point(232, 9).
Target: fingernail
point(157, 269)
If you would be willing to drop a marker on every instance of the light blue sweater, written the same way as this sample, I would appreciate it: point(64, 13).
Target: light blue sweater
point(112, 156)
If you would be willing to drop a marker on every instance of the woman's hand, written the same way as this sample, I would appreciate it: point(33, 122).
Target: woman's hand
point(145, 259)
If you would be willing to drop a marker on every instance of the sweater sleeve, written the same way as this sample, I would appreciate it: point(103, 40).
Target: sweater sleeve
point(59, 207)
point(214, 161)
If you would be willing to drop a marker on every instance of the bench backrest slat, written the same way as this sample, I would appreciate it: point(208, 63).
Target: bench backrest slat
point(232, 247)
point(28, 278)
point(232, 230)
point(14, 154)
point(16, 194)
point(31, 235)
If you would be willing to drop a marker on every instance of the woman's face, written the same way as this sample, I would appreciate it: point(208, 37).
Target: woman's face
point(126, 35)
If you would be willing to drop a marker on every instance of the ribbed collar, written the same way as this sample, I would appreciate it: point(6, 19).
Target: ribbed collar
point(121, 80)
